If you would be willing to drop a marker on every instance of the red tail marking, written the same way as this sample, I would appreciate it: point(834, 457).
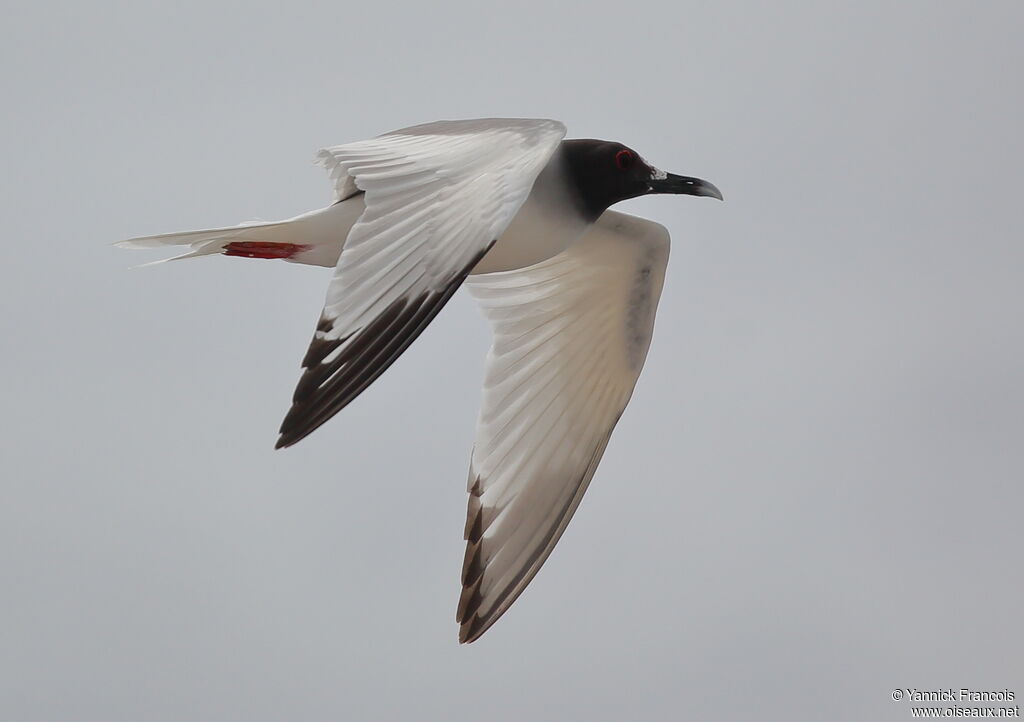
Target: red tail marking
point(257, 249)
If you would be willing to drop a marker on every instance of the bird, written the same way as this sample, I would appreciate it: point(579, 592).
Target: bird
point(521, 216)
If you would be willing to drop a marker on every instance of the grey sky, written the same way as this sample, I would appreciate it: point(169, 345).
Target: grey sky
point(814, 497)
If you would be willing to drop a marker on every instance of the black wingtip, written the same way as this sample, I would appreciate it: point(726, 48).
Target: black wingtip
point(472, 629)
point(337, 370)
point(290, 434)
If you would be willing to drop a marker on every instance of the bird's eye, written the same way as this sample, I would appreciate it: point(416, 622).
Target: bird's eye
point(624, 159)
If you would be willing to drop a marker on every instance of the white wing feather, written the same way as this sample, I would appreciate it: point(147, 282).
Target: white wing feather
point(570, 337)
point(437, 197)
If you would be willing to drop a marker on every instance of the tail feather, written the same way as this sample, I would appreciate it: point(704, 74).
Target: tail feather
point(199, 239)
point(313, 238)
point(205, 242)
point(203, 249)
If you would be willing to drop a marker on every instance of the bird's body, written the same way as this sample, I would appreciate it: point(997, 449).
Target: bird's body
point(542, 227)
point(569, 287)
point(539, 230)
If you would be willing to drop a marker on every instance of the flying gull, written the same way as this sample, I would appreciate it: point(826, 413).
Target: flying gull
point(570, 288)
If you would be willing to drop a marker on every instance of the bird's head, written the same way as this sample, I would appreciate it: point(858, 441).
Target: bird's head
point(605, 173)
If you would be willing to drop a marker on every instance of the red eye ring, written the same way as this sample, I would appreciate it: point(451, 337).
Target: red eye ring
point(624, 159)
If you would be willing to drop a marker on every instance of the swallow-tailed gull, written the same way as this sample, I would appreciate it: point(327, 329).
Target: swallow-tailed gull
point(570, 288)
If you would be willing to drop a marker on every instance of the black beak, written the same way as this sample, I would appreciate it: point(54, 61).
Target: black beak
point(686, 185)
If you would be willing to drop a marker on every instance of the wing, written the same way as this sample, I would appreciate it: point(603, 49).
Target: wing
point(437, 197)
point(570, 337)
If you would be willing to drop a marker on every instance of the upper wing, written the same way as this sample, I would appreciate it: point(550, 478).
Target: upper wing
point(570, 337)
point(437, 197)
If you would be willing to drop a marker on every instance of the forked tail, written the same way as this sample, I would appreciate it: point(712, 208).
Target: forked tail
point(313, 238)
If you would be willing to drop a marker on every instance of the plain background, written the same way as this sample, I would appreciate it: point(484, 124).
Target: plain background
point(814, 498)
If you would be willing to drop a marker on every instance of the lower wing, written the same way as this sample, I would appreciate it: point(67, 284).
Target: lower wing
point(570, 338)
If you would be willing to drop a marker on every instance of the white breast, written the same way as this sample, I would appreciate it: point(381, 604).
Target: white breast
point(546, 224)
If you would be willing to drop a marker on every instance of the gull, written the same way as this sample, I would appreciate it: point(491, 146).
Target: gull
point(570, 288)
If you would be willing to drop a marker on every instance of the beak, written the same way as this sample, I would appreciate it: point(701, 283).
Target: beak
point(681, 184)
